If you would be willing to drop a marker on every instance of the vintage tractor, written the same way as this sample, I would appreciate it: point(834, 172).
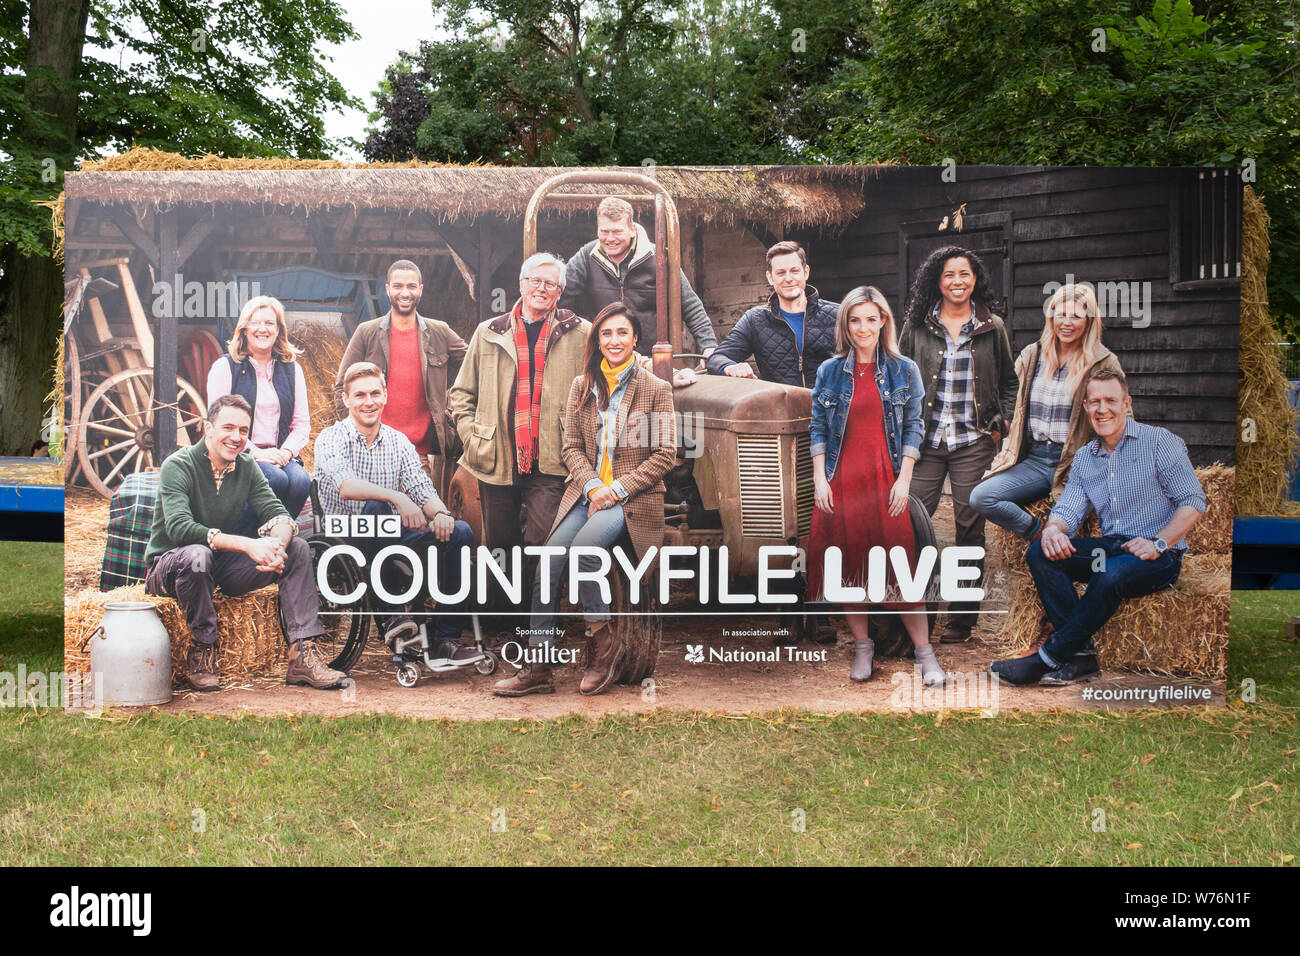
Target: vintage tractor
point(744, 477)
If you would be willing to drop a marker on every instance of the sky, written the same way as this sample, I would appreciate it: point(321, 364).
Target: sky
point(385, 26)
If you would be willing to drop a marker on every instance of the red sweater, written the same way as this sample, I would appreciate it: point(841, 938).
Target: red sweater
point(408, 409)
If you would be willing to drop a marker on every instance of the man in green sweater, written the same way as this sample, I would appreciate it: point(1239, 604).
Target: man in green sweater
point(192, 547)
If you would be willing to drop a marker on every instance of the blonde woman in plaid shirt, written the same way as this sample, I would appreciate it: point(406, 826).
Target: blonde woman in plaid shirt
point(1050, 421)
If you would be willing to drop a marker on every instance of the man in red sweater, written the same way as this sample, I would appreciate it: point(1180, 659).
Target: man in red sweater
point(420, 357)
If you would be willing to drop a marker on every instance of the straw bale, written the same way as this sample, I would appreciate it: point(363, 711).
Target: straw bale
point(85, 535)
point(322, 353)
point(1180, 631)
point(249, 640)
point(1263, 464)
point(1212, 534)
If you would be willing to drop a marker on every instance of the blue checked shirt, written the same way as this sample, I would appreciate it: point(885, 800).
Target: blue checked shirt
point(391, 462)
point(952, 421)
point(1136, 489)
point(606, 423)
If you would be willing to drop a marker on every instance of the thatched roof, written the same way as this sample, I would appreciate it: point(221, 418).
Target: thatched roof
point(786, 196)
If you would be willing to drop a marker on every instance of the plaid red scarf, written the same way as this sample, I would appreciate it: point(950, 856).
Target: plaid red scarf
point(528, 404)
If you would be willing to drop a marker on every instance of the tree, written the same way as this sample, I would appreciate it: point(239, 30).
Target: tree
point(231, 77)
point(616, 81)
point(1037, 82)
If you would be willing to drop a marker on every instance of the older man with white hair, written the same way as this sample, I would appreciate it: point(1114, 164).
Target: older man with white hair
point(508, 404)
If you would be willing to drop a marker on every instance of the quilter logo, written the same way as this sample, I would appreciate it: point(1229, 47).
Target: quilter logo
point(695, 653)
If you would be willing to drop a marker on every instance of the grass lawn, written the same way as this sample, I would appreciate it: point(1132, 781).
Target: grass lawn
point(1181, 787)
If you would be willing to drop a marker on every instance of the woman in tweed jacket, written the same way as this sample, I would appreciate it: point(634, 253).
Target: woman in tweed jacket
point(619, 441)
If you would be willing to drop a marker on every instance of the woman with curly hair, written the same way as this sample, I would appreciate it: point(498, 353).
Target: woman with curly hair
point(968, 370)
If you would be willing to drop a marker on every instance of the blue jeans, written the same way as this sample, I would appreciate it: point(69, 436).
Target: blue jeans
point(451, 619)
point(1076, 619)
point(601, 530)
point(290, 484)
point(999, 497)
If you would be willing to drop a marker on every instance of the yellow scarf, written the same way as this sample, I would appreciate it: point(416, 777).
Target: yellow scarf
point(611, 383)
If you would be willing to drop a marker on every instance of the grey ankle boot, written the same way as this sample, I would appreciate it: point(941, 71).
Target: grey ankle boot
point(864, 653)
point(931, 673)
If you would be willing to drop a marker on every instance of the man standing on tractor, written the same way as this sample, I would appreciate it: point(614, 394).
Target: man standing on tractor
point(619, 266)
point(418, 357)
point(790, 335)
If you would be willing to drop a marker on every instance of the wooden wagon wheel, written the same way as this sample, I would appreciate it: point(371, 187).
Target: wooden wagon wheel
point(203, 353)
point(115, 431)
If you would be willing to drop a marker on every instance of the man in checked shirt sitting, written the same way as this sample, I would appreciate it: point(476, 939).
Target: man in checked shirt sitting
point(365, 467)
point(193, 549)
point(1140, 482)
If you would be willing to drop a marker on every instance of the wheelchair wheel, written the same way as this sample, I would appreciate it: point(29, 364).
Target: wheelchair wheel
point(888, 631)
point(345, 633)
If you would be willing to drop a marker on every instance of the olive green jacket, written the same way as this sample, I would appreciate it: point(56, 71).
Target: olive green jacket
point(482, 401)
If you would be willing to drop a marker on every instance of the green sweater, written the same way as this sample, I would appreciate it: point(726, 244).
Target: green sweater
point(189, 503)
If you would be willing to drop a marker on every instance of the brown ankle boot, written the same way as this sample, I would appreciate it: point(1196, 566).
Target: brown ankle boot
point(529, 679)
point(306, 666)
point(201, 666)
point(603, 661)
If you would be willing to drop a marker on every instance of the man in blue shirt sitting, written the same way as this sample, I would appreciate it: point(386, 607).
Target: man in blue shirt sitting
point(1140, 482)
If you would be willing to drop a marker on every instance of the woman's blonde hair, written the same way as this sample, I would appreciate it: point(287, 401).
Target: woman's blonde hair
point(888, 337)
point(1083, 296)
point(238, 344)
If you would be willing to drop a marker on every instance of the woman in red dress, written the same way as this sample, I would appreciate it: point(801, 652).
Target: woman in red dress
point(865, 442)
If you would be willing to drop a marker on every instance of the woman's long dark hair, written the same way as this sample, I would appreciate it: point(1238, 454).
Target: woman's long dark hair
point(592, 376)
point(924, 292)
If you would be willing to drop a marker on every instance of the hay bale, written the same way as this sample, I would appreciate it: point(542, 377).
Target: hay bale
point(1264, 463)
point(1179, 631)
point(85, 535)
point(322, 353)
point(250, 643)
point(1212, 534)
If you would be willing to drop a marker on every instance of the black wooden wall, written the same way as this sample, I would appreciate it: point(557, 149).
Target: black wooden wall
point(1102, 225)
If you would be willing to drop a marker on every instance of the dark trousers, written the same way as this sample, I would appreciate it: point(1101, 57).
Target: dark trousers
point(520, 514)
point(964, 468)
point(190, 573)
point(291, 484)
point(451, 618)
point(1120, 575)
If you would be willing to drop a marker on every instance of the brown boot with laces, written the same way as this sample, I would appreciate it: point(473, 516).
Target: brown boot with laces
point(201, 666)
point(529, 679)
point(603, 660)
point(306, 666)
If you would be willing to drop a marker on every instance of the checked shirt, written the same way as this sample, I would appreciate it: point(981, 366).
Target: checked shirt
point(391, 462)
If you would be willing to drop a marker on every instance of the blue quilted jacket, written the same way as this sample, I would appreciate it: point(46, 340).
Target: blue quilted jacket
point(762, 333)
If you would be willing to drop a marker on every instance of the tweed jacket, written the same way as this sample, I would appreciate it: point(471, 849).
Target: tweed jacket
point(483, 399)
point(1080, 433)
point(645, 449)
point(443, 351)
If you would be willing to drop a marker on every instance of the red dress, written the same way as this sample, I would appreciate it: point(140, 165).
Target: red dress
point(864, 474)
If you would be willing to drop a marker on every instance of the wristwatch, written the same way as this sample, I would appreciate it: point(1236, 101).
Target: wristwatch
point(1161, 545)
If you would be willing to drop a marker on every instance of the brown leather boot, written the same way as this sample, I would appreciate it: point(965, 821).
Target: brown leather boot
point(955, 634)
point(529, 679)
point(1045, 630)
point(602, 663)
point(201, 666)
point(306, 666)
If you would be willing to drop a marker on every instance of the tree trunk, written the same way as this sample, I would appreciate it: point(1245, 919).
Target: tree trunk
point(31, 288)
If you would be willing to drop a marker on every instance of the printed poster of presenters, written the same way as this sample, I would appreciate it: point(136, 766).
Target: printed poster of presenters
point(503, 442)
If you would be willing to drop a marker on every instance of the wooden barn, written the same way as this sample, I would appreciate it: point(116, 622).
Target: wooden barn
point(322, 239)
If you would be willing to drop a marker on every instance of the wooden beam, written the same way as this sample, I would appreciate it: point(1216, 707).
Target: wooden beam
point(165, 362)
point(194, 238)
point(129, 228)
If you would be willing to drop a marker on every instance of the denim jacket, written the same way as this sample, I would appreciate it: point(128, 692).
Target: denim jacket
point(901, 395)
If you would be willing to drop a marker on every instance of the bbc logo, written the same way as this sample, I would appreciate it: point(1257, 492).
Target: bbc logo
point(363, 526)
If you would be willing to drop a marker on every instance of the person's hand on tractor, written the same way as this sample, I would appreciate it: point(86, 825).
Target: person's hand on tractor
point(739, 370)
point(683, 377)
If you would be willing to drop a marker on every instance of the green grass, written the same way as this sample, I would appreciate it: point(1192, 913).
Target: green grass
point(31, 605)
point(1185, 786)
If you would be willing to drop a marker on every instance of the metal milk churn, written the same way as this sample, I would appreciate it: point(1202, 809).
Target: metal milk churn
point(131, 651)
